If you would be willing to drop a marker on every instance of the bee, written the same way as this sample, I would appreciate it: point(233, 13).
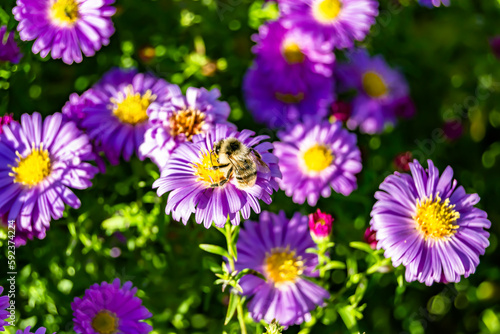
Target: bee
point(235, 158)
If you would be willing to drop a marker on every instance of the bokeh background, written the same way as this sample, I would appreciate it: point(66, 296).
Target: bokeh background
point(121, 229)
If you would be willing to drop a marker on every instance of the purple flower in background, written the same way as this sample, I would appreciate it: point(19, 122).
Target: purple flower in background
point(316, 157)
point(428, 224)
point(320, 225)
point(338, 23)
point(39, 162)
point(282, 48)
point(181, 118)
point(27, 330)
point(110, 308)
point(195, 186)
point(453, 129)
point(65, 28)
point(288, 100)
point(382, 92)
point(4, 314)
point(434, 3)
point(340, 111)
point(114, 112)
point(495, 46)
point(9, 51)
point(276, 247)
point(5, 120)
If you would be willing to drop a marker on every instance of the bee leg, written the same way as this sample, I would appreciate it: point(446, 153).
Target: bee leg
point(223, 181)
point(219, 167)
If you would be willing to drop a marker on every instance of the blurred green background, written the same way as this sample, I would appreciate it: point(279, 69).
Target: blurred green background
point(121, 229)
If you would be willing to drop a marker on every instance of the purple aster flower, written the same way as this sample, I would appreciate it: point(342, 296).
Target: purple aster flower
point(276, 247)
point(110, 308)
point(196, 187)
point(315, 157)
point(9, 51)
point(428, 224)
point(181, 118)
point(39, 162)
point(435, 3)
point(338, 23)
point(5, 120)
point(66, 28)
point(27, 330)
point(4, 314)
point(382, 92)
point(279, 101)
point(114, 112)
point(283, 47)
point(320, 225)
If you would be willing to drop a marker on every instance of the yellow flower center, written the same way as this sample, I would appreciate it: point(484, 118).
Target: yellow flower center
point(64, 12)
point(436, 218)
point(317, 158)
point(33, 169)
point(290, 98)
point(326, 11)
point(282, 266)
point(373, 84)
point(105, 322)
point(131, 107)
point(205, 169)
point(292, 53)
point(189, 122)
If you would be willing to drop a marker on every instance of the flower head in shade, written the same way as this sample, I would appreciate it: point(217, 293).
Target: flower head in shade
point(114, 112)
point(180, 119)
point(284, 100)
point(402, 161)
point(110, 308)
point(276, 247)
point(283, 47)
point(4, 314)
point(9, 51)
point(65, 28)
point(382, 92)
point(338, 23)
point(39, 162)
point(340, 111)
point(196, 187)
point(316, 157)
point(428, 224)
point(434, 3)
point(453, 129)
point(27, 330)
point(495, 46)
point(320, 225)
point(5, 120)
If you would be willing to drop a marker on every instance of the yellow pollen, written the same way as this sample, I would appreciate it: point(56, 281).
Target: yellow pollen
point(32, 169)
point(282, 266)
point(292, 53)
point(317, 158)
point(436, 218)
point(373, 84)
point(64, 12)
point(131, 107)
point(105, 322)
point(205, 172)
point(188, 122)
point(326, 11)
point(290, 98)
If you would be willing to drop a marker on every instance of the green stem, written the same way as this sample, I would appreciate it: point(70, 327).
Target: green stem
point(241, 318)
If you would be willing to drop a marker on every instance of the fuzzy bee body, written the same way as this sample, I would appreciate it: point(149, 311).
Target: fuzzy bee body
point(236, 159)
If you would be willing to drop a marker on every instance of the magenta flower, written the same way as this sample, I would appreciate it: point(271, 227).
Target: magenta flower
point(27, 330)
point(4, 303)
point(435, 3)
point(320, 225)
point(370, 238)
point(5, 120)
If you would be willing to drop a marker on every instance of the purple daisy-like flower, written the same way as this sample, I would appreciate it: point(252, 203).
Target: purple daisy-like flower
point(39, 162)
point(4, 314)
point(428, 224)
point(382, 92)
point(434, 3)
point(178, 120)
point(27, 330)
point(65, 28)
point(276, 247)
point(316, 157)
point(338, 23)
point(110, 308)
point(283, 47)
point(9, 51)
point(288, 99)
point(196, 187)
point(114, 112)
point(5, 120)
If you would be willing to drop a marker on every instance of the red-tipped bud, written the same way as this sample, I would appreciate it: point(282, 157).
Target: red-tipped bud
point(320, 226)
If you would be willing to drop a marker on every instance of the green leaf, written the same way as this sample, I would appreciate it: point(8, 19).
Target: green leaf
point(347, 313)
point(378, 265)
point(233, 302)
point(249, 272)
point(214, 249)
point(361, 246)
point(333, 265)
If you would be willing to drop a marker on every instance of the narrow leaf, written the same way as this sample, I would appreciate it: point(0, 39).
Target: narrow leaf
point(233, 302)
point(214, 249)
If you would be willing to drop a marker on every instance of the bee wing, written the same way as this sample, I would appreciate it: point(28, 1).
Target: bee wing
point(239, 166)
point(255, 156)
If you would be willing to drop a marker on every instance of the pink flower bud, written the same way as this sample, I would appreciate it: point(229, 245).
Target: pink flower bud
point(370, 238)
point(401, 161)
point(5, 120)
point(320, 226)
